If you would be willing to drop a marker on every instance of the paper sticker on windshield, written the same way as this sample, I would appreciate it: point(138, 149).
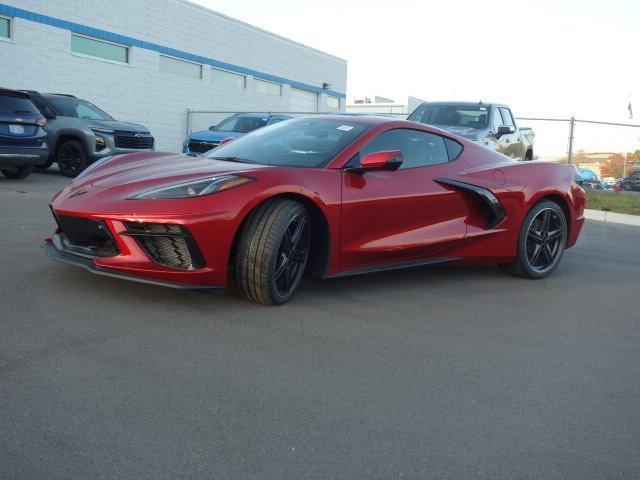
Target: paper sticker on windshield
point(344, 128)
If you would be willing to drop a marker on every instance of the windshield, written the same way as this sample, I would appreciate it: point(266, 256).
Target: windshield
point(74, 107)
point(301, 142)
point(240, 124)
point(465, 116)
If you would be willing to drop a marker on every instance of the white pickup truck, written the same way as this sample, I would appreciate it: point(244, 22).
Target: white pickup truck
point(488, 124)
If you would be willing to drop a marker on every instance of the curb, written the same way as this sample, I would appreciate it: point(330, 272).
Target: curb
point(612, 217)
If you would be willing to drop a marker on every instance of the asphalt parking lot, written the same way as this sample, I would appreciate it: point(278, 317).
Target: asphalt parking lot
point(428, 373)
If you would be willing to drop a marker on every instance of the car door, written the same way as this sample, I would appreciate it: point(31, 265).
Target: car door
point(392, 216)
point(512, 143)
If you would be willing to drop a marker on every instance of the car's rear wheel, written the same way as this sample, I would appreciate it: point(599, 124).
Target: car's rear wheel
point(272, 251)
point(626, 186)
point(17, 173)
point(541, 242)
point(71, 158)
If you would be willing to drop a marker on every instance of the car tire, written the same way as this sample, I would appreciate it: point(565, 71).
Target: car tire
point(540, 245)
point(45, 165)
point(627, 187)
point(71, 158)
point(18, 173)
point(272, 251)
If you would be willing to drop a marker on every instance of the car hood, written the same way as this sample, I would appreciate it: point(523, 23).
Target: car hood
point(213, 136)
point(116, 125)
point(153, 169)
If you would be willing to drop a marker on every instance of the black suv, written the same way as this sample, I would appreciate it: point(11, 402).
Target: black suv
point(22, 139)
point(81, 133)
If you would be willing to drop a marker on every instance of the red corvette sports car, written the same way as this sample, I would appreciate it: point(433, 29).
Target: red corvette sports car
point(329, 195)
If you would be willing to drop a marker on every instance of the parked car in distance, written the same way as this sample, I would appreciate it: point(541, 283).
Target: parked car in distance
point(630, 183)
point(488, 124)
point(608, 182)
point(80, 133)
point(23, 141)
point(590, 179)
point(231, 127)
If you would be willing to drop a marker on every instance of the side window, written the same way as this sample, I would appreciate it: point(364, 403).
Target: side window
point(454, 149)
point(506, 115)
point(497, 119)
point(419, 149)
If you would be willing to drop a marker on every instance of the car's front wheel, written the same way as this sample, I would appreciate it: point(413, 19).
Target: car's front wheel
point(71, 158)
point(272, 251)
point(17, 173)
point(541, 243)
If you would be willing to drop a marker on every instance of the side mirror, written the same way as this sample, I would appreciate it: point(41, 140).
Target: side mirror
point(384, 160)
point(504, 130)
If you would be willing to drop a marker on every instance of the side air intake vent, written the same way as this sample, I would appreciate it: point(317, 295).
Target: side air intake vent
point(493, 211)
point(168, 244)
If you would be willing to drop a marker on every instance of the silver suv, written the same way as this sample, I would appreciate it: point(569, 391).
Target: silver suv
point(79, 133)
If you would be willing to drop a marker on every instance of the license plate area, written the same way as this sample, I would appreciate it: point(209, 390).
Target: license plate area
point(16, 129)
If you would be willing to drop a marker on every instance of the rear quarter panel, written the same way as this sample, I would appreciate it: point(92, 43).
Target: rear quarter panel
point(518, 186)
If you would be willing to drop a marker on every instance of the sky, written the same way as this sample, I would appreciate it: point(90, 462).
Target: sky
point(544, 58)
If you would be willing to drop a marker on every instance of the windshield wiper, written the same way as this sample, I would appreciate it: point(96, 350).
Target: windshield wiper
point(232, 159)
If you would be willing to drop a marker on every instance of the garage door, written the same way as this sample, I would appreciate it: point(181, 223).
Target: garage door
point(303, 101)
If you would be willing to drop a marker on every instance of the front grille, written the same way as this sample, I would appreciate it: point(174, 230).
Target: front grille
point(198, 146)
point(86, 236)
point(168, 244)
point(133, 140)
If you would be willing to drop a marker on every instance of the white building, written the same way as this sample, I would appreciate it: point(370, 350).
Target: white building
point(149, 61)
point(375, 104)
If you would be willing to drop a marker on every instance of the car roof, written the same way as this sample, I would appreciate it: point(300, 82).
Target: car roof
point(13, 93)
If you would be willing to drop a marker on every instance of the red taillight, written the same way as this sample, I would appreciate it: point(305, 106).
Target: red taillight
point(41, 122)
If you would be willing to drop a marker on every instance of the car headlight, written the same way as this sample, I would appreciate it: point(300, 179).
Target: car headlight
point(101, 143)
point(194, 188)
point(92, 167)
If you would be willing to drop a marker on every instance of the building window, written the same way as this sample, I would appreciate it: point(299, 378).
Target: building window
point(180, 67)
point(5, 27)
point(229, 79)
point(333, 102)
point(99, 49)
point(268, 87)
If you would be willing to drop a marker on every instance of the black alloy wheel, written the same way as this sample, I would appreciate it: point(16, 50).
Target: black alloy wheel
point(541, 242)
point(272, 251)
point(292, 255)
point(545, 240)
point(71, 158)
